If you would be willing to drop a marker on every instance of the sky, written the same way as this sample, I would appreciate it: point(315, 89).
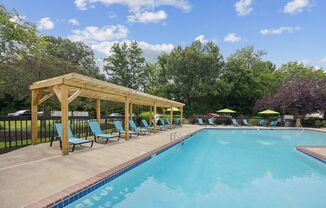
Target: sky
point(287, 30)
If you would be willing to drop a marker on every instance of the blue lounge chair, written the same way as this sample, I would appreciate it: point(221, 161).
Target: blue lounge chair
point(97, 132)
point(71, 139)
point(137, 129)
point(245, 122)
point(211, 122)
point(234, 122)
point(273, 123)
point(121, 130)
point(146, 126)
point(173, 125)
point(164, 124)
point(261, 123)
point(200, 121)
point(158, 126)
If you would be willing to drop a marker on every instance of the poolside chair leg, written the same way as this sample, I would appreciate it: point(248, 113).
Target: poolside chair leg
point(93, 143)
point(73, 148)
point(107, 139)
point(60, 145)
point(51, 141)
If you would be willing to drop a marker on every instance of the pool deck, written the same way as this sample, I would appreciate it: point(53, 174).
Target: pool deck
point(35, 172)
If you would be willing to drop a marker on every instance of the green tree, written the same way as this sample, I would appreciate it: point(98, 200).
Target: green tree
point(192, 75)
point(249, 78)
point(125, 66)
point(17, 36)
point(76, 53)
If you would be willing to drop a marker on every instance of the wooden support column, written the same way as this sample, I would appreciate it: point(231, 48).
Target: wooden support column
point(155, 112)
point(127, 118)
point(130, 110)
point(181, 116)
point(150, 115)
point(163, 113)
point(64, 119)
point(171, 117)
point(98, 111)
point(34, 117)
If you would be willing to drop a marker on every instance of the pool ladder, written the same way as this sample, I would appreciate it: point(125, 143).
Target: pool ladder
point(176, 135)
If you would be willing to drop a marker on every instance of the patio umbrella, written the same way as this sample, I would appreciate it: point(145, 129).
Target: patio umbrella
point(173, 109)
point(226, 110)
point(268, 112)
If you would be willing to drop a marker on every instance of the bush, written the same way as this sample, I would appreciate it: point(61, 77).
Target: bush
point(254, 121)
point(145, 115)
point(318, 123)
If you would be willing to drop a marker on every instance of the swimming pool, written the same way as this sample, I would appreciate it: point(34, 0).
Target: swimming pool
point(223, 168)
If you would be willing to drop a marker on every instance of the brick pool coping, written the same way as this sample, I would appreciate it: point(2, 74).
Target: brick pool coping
point(79, 187)
point(309, 150)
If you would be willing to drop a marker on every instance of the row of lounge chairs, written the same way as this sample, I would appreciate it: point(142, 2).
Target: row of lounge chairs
point(100, 135)
point(234, 122)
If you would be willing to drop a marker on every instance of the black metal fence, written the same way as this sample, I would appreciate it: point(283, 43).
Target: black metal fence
point(15, 132)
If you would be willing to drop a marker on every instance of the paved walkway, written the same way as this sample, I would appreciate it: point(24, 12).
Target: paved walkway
point(35, 172)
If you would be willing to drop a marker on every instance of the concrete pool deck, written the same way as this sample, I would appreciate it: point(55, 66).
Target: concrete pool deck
point(35, 172)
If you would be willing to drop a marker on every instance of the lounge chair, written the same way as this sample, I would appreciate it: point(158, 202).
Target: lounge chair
point(200, 121)
point(137, 129)
point(234, 122)
point(121, 130)
point(97, 132)
point(211, 122)
point(273, 123)
point(71, 139)
point(146, 126)
point(164, 124)
point(159, 127)
point(245, 122)
point(173, 125)
point(261, 123)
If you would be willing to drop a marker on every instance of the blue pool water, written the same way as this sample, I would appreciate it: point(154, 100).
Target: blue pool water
point(223, 168)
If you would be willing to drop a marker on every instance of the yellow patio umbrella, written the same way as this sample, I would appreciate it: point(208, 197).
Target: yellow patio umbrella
point(226, 110)
point(173, 109)
point(268, 112)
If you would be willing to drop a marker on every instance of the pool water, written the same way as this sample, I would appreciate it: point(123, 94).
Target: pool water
point(223, 168)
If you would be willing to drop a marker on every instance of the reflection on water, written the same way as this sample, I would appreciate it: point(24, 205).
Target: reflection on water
point(254, 169)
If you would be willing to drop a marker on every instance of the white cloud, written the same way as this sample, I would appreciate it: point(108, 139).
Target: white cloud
point(81, 4)
point(201, 38)
point(92, 34)
point(279, 31)
point(137, 5)
point(45, 23)
point(232, 38)
point(296, 6)
point(151, 51)
point(305, 62)
point(243, 7)
point(147, 17)
point(74, 21)
point(323, 60)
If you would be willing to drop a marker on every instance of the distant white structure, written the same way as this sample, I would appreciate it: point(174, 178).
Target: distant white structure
point(70, 113)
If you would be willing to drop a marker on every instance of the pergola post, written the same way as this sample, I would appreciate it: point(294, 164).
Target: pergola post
point(181, 116)
point(155, 112)
point(126, 118)
point(150, 115)
point(163, 113)
point(130, 110)
point(34, 117)
point(98, 111)
point(171, 117)
point(64, 119)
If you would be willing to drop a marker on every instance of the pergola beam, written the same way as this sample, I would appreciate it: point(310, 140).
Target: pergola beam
point(74, 95)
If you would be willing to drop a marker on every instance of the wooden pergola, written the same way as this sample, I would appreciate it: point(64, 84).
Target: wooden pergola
point(70, 86)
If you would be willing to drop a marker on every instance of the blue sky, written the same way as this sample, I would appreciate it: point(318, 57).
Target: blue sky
point(288, 30)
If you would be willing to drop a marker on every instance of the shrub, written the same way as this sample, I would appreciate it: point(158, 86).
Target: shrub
point(318, 123)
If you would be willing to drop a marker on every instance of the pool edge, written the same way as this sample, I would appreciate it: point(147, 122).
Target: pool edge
point(78, 190)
